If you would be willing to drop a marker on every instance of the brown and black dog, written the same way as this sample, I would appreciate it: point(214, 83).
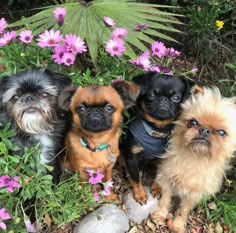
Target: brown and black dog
point(93, 141)
point(158, 106)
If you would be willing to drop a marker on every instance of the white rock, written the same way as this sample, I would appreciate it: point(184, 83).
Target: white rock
point(106, 219)
point(136, 212)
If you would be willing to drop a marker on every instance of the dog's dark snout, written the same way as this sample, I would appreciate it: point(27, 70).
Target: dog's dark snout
point(163, 99)
point(29, 98)
point(204, 131)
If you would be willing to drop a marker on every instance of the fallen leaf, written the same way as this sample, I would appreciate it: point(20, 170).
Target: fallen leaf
point(212, 206)
point(47, 220)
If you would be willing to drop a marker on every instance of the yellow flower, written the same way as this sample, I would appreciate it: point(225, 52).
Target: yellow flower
point(219, 24)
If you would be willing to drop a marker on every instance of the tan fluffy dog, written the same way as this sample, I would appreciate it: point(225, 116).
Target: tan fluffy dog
point(198, 155)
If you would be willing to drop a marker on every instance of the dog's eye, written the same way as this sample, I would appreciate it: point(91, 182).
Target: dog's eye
point(176, 98)
point(15, 97)
point(109, 108)
point(221, 132)
point(192, 123)
point(80, 108)
point(45, 95)
point(151, 95)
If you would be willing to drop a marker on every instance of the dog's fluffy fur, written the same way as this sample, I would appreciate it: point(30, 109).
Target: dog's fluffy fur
point(29, 101)
point(198, 155)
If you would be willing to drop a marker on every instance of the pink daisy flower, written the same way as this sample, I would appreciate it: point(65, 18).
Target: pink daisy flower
point(140, 27)
point(158, 49)
point(3, 24)
point(172, 53)
point(49, 38)
point(59, 51)
point(68, 59)
point(59, 13)
point(96, 197)
point(7, 38)
point(75, 44)
point(155, 68)
point(119, 33)
point(26, 36)
point(194, 70)
point(108, 21)
point(143, 61)
point(9, 183)
point(96, 177)
point(115, 47)
point(4, 216)
point(108, 185)
point(31, 227)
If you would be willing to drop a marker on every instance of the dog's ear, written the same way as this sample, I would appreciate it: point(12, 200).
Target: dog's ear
point(60, 80)
point(191, 88)
point(128, 91)
point(65, 97)
point(143, 80)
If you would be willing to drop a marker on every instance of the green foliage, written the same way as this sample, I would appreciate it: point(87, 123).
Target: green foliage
point(17, 57)
point(85, 19)
point(228, 86)
point(38, 196)
point(203, 34)
point(225, 210)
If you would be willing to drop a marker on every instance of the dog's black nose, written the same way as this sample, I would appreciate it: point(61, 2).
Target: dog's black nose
point(163, 99)
point(29, 98)
point(204, 131)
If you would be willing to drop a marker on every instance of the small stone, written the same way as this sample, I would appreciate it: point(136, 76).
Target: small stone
point(136, 212)
point(106, 219)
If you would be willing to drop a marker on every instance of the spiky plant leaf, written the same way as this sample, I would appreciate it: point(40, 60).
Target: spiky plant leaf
point(85, 19)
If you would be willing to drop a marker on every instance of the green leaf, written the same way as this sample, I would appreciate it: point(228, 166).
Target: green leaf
point(86, 20)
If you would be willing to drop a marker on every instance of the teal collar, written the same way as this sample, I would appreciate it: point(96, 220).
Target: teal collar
point(84, 142)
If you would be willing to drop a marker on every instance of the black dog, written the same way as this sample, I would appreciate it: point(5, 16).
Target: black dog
point(29, 101)
point(158, 106)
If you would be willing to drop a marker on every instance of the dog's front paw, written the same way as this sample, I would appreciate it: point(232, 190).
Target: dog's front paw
point(158, 217)
point(156, 190)
point(178, 225)
point(141, 196)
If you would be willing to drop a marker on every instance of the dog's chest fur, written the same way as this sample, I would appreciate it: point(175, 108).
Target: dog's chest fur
point(47, 148)
point(81, 157)
point(198, 176)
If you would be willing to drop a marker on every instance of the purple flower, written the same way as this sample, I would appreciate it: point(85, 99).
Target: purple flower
point(59, 51)
point(155, 68)
point(7, 38)
point(4, 216)
point(95, 176)
point(3, 24)
point(108, 21)
point(59, 13)
point(115, 47)
point(68, 59)
point(194, 70)
point(9, 183)
point(143, 60)
point(75, 44)
point(140, 27)
point(107, 187)
point(172, 53)
point(96, 197)
point(30, 227)
point(26, 36)
point(49, 38)
point(158, 49)
point(166, 70)
point(119, 33)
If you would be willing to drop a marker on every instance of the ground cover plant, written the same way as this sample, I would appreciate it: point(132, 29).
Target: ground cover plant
point(119, 51)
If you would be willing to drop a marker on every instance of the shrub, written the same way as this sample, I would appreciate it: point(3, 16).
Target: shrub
point(84, 18)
